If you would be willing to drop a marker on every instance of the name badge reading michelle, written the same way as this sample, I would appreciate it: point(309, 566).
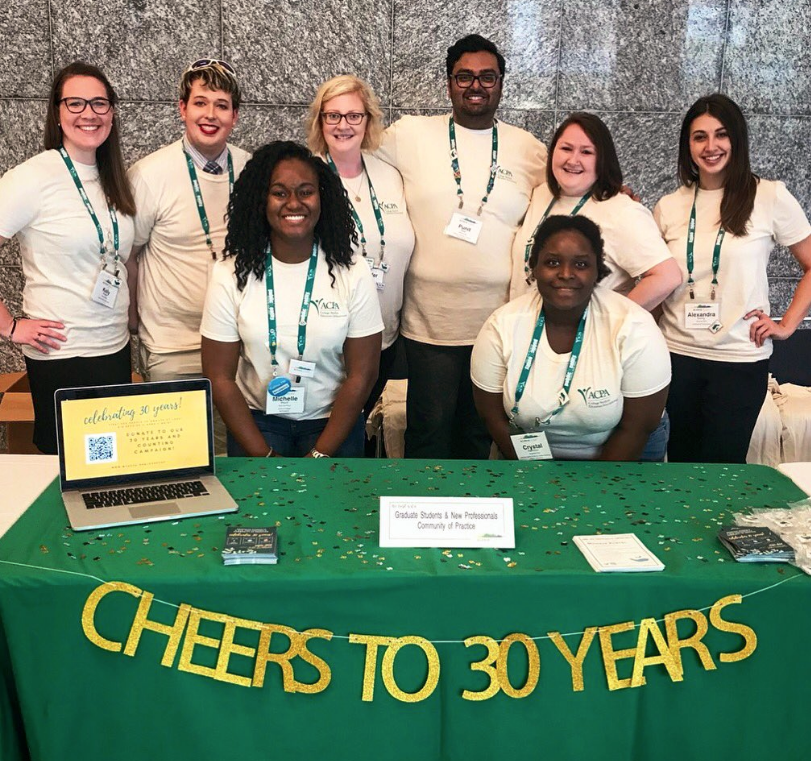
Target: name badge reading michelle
point(106, 289)
point(704, 315)
point(283, 397)
point(531, 446)
point(463, 227)
point(301, 368)
point(447, 522)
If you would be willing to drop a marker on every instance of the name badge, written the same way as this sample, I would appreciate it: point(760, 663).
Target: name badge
point(286, 402)
point(106, 289)
point(704, 315)
point(531, 446)
point(301, 368)
point(379, 276)
point(463, 227)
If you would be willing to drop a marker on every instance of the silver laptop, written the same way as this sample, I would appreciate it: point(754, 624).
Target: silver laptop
point(137, 453)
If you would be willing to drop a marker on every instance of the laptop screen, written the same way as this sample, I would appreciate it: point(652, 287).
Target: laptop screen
point(115, 434)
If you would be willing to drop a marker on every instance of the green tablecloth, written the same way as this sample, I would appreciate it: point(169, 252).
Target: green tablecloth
point(63, 697)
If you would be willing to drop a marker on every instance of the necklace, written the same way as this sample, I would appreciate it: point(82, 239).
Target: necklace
point(356, 191)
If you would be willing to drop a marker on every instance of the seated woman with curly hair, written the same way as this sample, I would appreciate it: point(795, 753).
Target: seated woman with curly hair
point(291, 329)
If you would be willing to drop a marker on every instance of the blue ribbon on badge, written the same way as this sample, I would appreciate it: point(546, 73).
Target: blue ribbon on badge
point(279, 386)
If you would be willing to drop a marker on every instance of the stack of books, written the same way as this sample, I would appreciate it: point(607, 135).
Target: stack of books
point(250, 546)
point(755, 544)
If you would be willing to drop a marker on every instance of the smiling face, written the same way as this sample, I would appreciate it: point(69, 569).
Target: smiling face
point(566, 271)
point(475, 106)
point(83, 133)
point(209, 117)
point(574, 162)
point(294, 203)
point(710, 150)
point(344, 138)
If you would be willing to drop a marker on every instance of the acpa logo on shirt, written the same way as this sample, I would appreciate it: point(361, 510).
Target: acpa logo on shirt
point(595, 397)
point(390, 207)
point(327, 308)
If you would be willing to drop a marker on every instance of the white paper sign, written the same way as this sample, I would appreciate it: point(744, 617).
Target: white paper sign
point(463, 227)
point(446, 522)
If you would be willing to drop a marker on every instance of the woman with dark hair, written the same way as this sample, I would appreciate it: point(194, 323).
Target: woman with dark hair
point(569, 370)
point(583, 176)
point(71, 209)
point(721, 226)
point(291, 329)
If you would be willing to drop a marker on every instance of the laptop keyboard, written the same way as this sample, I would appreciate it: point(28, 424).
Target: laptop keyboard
point(141, 494)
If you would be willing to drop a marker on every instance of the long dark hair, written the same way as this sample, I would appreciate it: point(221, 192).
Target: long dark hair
point(248, 229)
point(740, 184)
point(609, 173)
point(112, 174)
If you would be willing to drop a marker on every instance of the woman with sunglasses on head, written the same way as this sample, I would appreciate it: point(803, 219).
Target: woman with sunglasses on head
point(583, 177)
point(570, 370)
point(71, 209)
point(291, 325)
point(721, 226)
point(344, 127)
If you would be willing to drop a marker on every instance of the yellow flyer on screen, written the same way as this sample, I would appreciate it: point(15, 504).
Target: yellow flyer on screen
point(139, 434)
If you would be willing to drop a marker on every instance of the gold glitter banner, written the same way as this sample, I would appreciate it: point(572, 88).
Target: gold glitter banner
point(654, 647)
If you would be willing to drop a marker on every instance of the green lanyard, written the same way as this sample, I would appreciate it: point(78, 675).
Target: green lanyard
point(198, 196)
point(91, 211)
point(716, 252)
point(563, 396)
point(580, 204)
point(375, 207)
point(457, 173)
point(273, 333)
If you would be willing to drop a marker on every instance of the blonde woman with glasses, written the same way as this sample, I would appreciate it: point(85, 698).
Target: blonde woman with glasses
point(344, 127)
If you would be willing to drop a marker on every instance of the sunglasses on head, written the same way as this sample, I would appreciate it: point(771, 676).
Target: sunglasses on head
point(209, 63)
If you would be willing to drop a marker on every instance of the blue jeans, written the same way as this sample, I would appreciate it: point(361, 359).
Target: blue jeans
point(656, 446)
point(295, 438)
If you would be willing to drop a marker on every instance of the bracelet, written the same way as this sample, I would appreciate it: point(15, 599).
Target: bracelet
point(13, 327)
point(315, 453)
point(270, 453)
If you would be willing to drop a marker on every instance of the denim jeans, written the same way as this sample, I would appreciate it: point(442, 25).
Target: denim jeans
point(295, 438)
point(656, 446)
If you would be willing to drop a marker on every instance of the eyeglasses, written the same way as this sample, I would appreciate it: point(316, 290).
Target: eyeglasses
point(486, 80)
point(333, 117)
point(100, 106)
point(211, 63)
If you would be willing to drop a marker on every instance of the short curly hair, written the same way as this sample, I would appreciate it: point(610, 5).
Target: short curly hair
point(248, 233)
point(560, 223)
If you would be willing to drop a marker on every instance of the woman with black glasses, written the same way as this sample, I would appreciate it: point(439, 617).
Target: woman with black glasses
point(71, 209)
point(344, 126)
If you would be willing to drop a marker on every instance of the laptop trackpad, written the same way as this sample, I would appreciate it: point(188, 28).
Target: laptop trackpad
point(154, 510)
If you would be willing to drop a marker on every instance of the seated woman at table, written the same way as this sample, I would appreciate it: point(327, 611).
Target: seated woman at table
point(344, 126)
point(291, 326)
point(583, 368)
point(583, 177)
point(71, 208)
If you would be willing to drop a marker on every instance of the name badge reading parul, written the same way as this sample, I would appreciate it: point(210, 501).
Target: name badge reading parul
point(284, 398)
point(106, 289)
point(464, 228)
point(703, 315)
point(531, 446)
point(301, 368)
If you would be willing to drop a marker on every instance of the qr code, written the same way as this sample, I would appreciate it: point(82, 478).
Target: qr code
point(100, 448)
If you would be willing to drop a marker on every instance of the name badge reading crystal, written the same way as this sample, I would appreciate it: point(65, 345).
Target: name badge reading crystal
point(531, 446)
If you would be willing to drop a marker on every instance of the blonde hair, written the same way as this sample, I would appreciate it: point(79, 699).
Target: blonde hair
point(332, 88)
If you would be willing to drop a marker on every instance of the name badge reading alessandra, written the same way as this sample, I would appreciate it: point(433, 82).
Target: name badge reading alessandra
point(703, 315)
point(531, 446)
point(106, 289)
point(463, 227)
point(284, 398)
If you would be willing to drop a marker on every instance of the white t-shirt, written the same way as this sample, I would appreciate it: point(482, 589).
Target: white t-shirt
point(388, 185)
point(453, 286)
point(623, 355)
point(633, 244)
point(742, 281)
point(350, 309)
point(175, 265)
point(39, 203)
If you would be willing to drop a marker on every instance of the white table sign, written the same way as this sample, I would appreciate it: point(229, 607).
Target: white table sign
point(449, 522)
